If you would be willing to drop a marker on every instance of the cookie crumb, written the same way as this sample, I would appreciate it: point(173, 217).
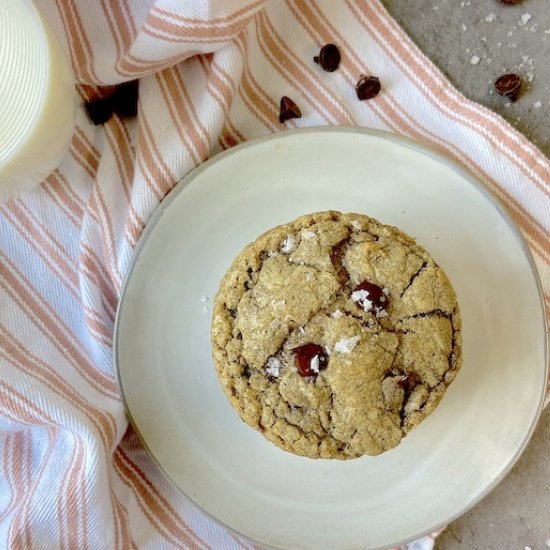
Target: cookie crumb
point(204, 299)
point(474, 60)
point(537, 105)
point(491, 17)
point(346, 345)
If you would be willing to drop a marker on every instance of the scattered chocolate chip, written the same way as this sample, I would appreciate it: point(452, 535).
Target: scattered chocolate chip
point(100, 110)
point(125, 99)
point(509, 85)
point(371, 297)
point(122, 101)
point(310, 359)
point(289, 109)
point(367, 87)
point(510, 2)
point(328, 58)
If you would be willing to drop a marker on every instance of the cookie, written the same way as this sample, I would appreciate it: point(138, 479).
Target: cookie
point(335, 335)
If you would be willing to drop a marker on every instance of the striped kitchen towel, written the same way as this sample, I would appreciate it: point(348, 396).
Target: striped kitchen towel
point(72, 475)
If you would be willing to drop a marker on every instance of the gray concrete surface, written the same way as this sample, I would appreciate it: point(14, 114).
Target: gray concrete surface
point(516, 515)
point(504, 38)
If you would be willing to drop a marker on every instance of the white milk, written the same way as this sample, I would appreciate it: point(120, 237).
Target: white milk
point(37, 99)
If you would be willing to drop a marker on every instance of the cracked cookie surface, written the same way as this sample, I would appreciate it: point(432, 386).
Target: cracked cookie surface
point(335, 335)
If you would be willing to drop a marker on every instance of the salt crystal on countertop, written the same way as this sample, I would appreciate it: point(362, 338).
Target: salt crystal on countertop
point(525, 18)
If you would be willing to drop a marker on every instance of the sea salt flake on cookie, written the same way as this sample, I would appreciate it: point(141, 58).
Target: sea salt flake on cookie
point(361, 298)
point(288, 245)
point(346, 345)
point(273, 366)
point(314, 364)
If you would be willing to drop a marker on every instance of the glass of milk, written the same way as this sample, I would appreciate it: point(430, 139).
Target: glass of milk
point(37, 99)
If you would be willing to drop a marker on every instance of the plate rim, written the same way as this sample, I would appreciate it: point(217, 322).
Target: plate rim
point(398, 139)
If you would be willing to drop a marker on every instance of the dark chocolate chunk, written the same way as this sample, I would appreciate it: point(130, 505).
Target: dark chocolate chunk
point(125, 99)
point(289, 110)
point(100, 110)
point(367, 87)
point(509, 85)
point(328, 58)
point(310, 359)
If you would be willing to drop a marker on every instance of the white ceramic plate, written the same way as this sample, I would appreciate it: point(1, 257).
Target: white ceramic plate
point(177, 406)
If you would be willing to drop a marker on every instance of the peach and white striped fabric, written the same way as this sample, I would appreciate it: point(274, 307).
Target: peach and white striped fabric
point(72, 475)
